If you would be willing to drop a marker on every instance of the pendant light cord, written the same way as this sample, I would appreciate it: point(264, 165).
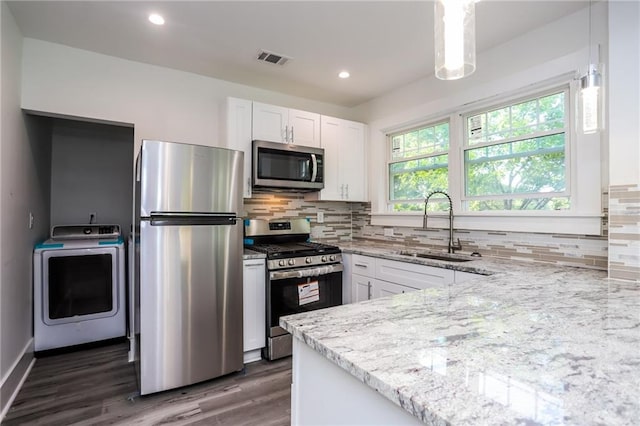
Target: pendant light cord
point(589, 46)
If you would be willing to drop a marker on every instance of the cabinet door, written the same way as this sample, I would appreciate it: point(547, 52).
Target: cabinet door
point(331, 131)
point(344, 163)
point(352, 169)
point(304, 128)
point(413, 275)
point(384, 288)
point(239, 136)
point(254, 304)
point(361, 288)
point(270, 123)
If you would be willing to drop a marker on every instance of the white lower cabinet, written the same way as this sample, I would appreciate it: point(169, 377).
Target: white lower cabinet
point(384, 288)
point(361, 288)
point(254, 309)
point(373, 277)
point(412, 275)
point(461, 277)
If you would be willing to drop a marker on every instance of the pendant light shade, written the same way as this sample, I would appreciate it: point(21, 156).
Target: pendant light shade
point(590, 102)
point(455, 38)
point(591, 97)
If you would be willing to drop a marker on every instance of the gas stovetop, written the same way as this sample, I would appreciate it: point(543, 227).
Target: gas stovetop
point(295, 249)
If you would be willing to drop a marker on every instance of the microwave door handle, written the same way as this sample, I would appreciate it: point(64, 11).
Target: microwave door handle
point(314, 167)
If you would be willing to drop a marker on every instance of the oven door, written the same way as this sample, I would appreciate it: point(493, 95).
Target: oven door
point(301, 290)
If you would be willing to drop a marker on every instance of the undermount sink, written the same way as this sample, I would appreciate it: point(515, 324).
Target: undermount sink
point(443, 256)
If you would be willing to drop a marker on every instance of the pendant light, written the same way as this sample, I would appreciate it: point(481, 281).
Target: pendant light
point(455, 38)
point(590, 101)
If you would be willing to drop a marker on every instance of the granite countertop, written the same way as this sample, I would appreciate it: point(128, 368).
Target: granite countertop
point(529, 344)
point(250, 254)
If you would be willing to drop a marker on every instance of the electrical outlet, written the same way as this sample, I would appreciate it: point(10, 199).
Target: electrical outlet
point(31, 220)
point(320, 218)
point(388, 232)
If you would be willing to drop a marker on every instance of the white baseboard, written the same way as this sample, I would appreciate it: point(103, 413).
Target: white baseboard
point(26, 356)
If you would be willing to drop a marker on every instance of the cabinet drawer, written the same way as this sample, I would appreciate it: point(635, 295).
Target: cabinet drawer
point(412, 275)
point(383, 288)
point(364, 265)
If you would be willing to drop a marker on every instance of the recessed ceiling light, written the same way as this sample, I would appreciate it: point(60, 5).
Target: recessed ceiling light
point(154, 18)
point(344, 74)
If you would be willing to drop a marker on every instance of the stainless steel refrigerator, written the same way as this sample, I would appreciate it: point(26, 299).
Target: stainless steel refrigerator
point(187, 321)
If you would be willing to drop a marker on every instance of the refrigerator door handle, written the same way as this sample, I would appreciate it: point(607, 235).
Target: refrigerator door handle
point(168, 219)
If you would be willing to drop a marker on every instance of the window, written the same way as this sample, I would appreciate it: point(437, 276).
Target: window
point(419, 164)
point(515, 156)
point(509, 163)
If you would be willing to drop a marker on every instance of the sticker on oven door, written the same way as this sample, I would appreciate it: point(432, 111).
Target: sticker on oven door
point(308, 293)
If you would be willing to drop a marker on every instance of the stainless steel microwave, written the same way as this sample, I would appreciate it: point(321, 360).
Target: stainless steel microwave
point(281, 167)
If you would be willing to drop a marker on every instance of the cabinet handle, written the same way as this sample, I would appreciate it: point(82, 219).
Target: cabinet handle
point(286, 133)
point(292, 138)
point(360, 265)
point(342, 191)
point(368, 290)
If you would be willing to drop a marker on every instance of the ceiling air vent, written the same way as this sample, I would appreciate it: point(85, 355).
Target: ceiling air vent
point(272, 58)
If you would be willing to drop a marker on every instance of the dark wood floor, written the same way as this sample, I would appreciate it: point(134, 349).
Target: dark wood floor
point(98, 387)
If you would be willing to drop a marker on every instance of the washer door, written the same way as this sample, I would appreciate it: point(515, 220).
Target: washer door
point(79, 285)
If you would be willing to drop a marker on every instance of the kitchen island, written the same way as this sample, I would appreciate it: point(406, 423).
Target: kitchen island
point(529, 344)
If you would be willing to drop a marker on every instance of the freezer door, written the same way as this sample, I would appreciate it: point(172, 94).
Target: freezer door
point(175, 177)
point(190, 304)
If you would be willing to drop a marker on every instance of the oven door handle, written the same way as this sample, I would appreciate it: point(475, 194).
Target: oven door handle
point(305, 272)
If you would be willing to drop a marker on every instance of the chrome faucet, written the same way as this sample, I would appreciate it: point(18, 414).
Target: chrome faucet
point(452, 247)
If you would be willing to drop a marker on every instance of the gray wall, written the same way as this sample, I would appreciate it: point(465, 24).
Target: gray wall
point(91, 172)
point(24, 188)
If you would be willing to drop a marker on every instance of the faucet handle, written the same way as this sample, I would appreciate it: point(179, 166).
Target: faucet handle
point(457, 246)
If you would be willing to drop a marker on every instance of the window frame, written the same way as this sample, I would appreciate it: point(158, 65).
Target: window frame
point(389, 161)
point(567, 130)
point(588, 180)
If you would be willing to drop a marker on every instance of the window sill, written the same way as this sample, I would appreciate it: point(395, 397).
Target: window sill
point(539, 222)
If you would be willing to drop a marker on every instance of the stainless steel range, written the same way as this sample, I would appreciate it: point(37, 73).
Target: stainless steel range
point(301, 275)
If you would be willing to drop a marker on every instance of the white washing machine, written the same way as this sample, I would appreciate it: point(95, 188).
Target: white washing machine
point(79, 286)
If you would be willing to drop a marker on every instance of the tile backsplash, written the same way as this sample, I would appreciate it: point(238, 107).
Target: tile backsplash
point(345, 221)
point(624, 232)
point(337, 225)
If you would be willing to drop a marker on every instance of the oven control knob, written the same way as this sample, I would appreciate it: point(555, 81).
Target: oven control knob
point(308, 260)
point(323, 258)
point(332, 258)
point(292, 261)
point(281, 263)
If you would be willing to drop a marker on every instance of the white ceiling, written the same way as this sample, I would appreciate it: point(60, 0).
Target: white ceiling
point(384, 44)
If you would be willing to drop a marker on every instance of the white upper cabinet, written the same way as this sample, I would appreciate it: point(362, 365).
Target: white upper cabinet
point(238, 133)
point(305, 128)
point(343, 142)
point(277, 124)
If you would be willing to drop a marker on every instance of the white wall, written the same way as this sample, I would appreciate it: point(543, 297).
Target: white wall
point(91, 173)
point(559, 48)
point(161, 103)
point(23, 155)
point(624, 92)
